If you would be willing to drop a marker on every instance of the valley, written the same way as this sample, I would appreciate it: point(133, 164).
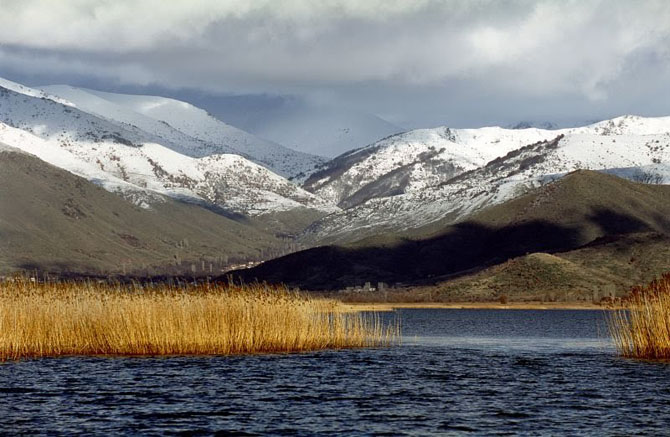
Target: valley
point(334, 218)
point(453, 214)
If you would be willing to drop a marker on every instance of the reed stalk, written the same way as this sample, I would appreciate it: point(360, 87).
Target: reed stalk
point(62, 319)
point(642, 328)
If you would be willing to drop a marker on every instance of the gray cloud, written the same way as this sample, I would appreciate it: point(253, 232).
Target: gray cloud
point(414, 61)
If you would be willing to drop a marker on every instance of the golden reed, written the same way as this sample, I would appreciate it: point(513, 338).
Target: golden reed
point(642, 328)
point(57, 319)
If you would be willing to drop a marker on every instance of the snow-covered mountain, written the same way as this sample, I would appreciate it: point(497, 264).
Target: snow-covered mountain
point(132, 154)
point(413, 179)
point(145, 148)
point(22, 89)
point(187, 129)
point(413, 161)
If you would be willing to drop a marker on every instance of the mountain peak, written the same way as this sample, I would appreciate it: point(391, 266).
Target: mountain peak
point(143, 158)
point(192, 130)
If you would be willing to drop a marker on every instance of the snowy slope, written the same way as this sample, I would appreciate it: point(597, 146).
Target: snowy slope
point(418, 159)
point(658, 173)
point(29, 143)
point(627, 125)
point(127, 159)
point(412, 161)
point(21, 89)
point(629, 146)
point(191, 130)
point(127, 118)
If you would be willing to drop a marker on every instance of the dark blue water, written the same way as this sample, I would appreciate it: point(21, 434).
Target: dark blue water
point(458, 371)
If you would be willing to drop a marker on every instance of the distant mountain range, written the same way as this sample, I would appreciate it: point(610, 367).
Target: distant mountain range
point(424, 176)
point(142, 146)
point(160, 161)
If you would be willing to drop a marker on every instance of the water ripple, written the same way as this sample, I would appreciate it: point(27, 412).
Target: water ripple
point(509, 373)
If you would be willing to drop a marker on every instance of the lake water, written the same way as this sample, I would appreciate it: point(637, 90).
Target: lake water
point(457, 371)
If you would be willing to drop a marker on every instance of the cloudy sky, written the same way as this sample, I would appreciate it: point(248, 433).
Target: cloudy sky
point(415, 63)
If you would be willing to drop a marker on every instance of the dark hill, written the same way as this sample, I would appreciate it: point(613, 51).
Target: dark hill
point(608, 266)
point(562, 216)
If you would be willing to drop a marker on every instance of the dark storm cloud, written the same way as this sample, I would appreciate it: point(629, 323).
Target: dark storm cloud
point(417, 62)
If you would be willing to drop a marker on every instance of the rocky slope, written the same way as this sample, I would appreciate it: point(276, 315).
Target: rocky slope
point(422, 177)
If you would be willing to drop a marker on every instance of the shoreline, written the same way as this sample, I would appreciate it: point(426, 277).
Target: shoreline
point(392, 306)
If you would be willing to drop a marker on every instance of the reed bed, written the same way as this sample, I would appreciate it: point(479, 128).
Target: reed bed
point(61, 319)
point(642, 328)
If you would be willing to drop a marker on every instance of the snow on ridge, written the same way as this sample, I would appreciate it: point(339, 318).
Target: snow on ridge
point(22, 89)
point(123, 158)
point(636, 148)
point(25, 142)
point(206, 134)
point(631, 124)
point(429, 157)
point(128, 144)
point(422, 155)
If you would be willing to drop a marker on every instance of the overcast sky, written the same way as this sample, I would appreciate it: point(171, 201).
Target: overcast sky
point(414, 62)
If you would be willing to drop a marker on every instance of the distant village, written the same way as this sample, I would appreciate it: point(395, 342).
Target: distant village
point(367, 287)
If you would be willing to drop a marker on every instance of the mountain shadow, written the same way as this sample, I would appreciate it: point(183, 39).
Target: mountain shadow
point(562, 216)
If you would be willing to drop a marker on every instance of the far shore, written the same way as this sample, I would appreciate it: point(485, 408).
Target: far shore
point(390, 306)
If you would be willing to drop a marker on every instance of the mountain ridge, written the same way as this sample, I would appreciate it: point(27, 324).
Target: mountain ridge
point(134, 163)
point(444, 174)
point(212, 136)
point(561, 216)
